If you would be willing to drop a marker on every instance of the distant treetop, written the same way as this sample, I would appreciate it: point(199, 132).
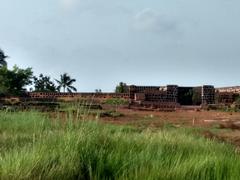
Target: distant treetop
point(3, 57)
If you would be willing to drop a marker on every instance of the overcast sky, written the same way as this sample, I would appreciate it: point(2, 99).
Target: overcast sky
point(143, 42)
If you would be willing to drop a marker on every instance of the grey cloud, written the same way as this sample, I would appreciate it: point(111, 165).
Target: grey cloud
point(99, 7)
point(179, 42)
point(69, 4)
point(151, 20)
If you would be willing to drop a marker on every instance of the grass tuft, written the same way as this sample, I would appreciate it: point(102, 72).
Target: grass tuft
point(35, 147)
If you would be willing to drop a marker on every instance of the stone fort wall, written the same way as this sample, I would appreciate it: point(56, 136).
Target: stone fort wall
point(56, 95)
point(169, 93)
point(146, 94)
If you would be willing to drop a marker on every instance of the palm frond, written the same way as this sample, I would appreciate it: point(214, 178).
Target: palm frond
point(69, 90)
point(66, 82)
point(59, 82)
point(59, 88)
point(73, 88)
point(71, 81)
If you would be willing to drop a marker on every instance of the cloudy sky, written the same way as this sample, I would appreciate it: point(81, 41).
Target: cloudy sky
point(143, 42)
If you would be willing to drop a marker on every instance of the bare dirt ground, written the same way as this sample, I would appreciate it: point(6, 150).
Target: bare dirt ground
point(186, 118)
point(223, 126)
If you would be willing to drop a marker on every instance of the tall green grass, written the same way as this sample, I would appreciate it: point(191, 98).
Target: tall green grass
point(34, 147)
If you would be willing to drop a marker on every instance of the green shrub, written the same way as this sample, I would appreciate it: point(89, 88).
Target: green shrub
point(116, 101)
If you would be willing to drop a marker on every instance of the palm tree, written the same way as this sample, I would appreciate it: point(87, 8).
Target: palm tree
point(3, 62)
point(66, 82)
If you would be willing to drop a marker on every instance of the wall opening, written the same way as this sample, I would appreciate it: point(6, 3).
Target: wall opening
point(189, 96)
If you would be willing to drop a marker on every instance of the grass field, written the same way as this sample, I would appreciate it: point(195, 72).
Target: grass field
point(35, 147)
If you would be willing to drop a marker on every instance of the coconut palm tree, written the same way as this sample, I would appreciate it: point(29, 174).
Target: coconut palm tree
point(3, 57)
point(65, 83)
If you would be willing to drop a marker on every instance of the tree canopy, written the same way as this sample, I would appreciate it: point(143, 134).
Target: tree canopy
point(44, 84)
point(121, 88)
point(66, 83)
point(13, 82)
point(3, 57)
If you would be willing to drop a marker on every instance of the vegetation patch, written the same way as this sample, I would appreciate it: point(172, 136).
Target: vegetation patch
point(113, 114)
point(116, 101)
point(34, 147)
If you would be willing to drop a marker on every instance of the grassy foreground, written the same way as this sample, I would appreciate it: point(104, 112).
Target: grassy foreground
point(34, 147)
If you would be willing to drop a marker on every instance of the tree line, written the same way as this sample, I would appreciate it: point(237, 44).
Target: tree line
point(14, 81)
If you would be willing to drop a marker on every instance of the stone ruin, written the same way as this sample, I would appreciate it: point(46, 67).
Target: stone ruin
point(75, 96)
point(227, 95)
point(168, 97)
